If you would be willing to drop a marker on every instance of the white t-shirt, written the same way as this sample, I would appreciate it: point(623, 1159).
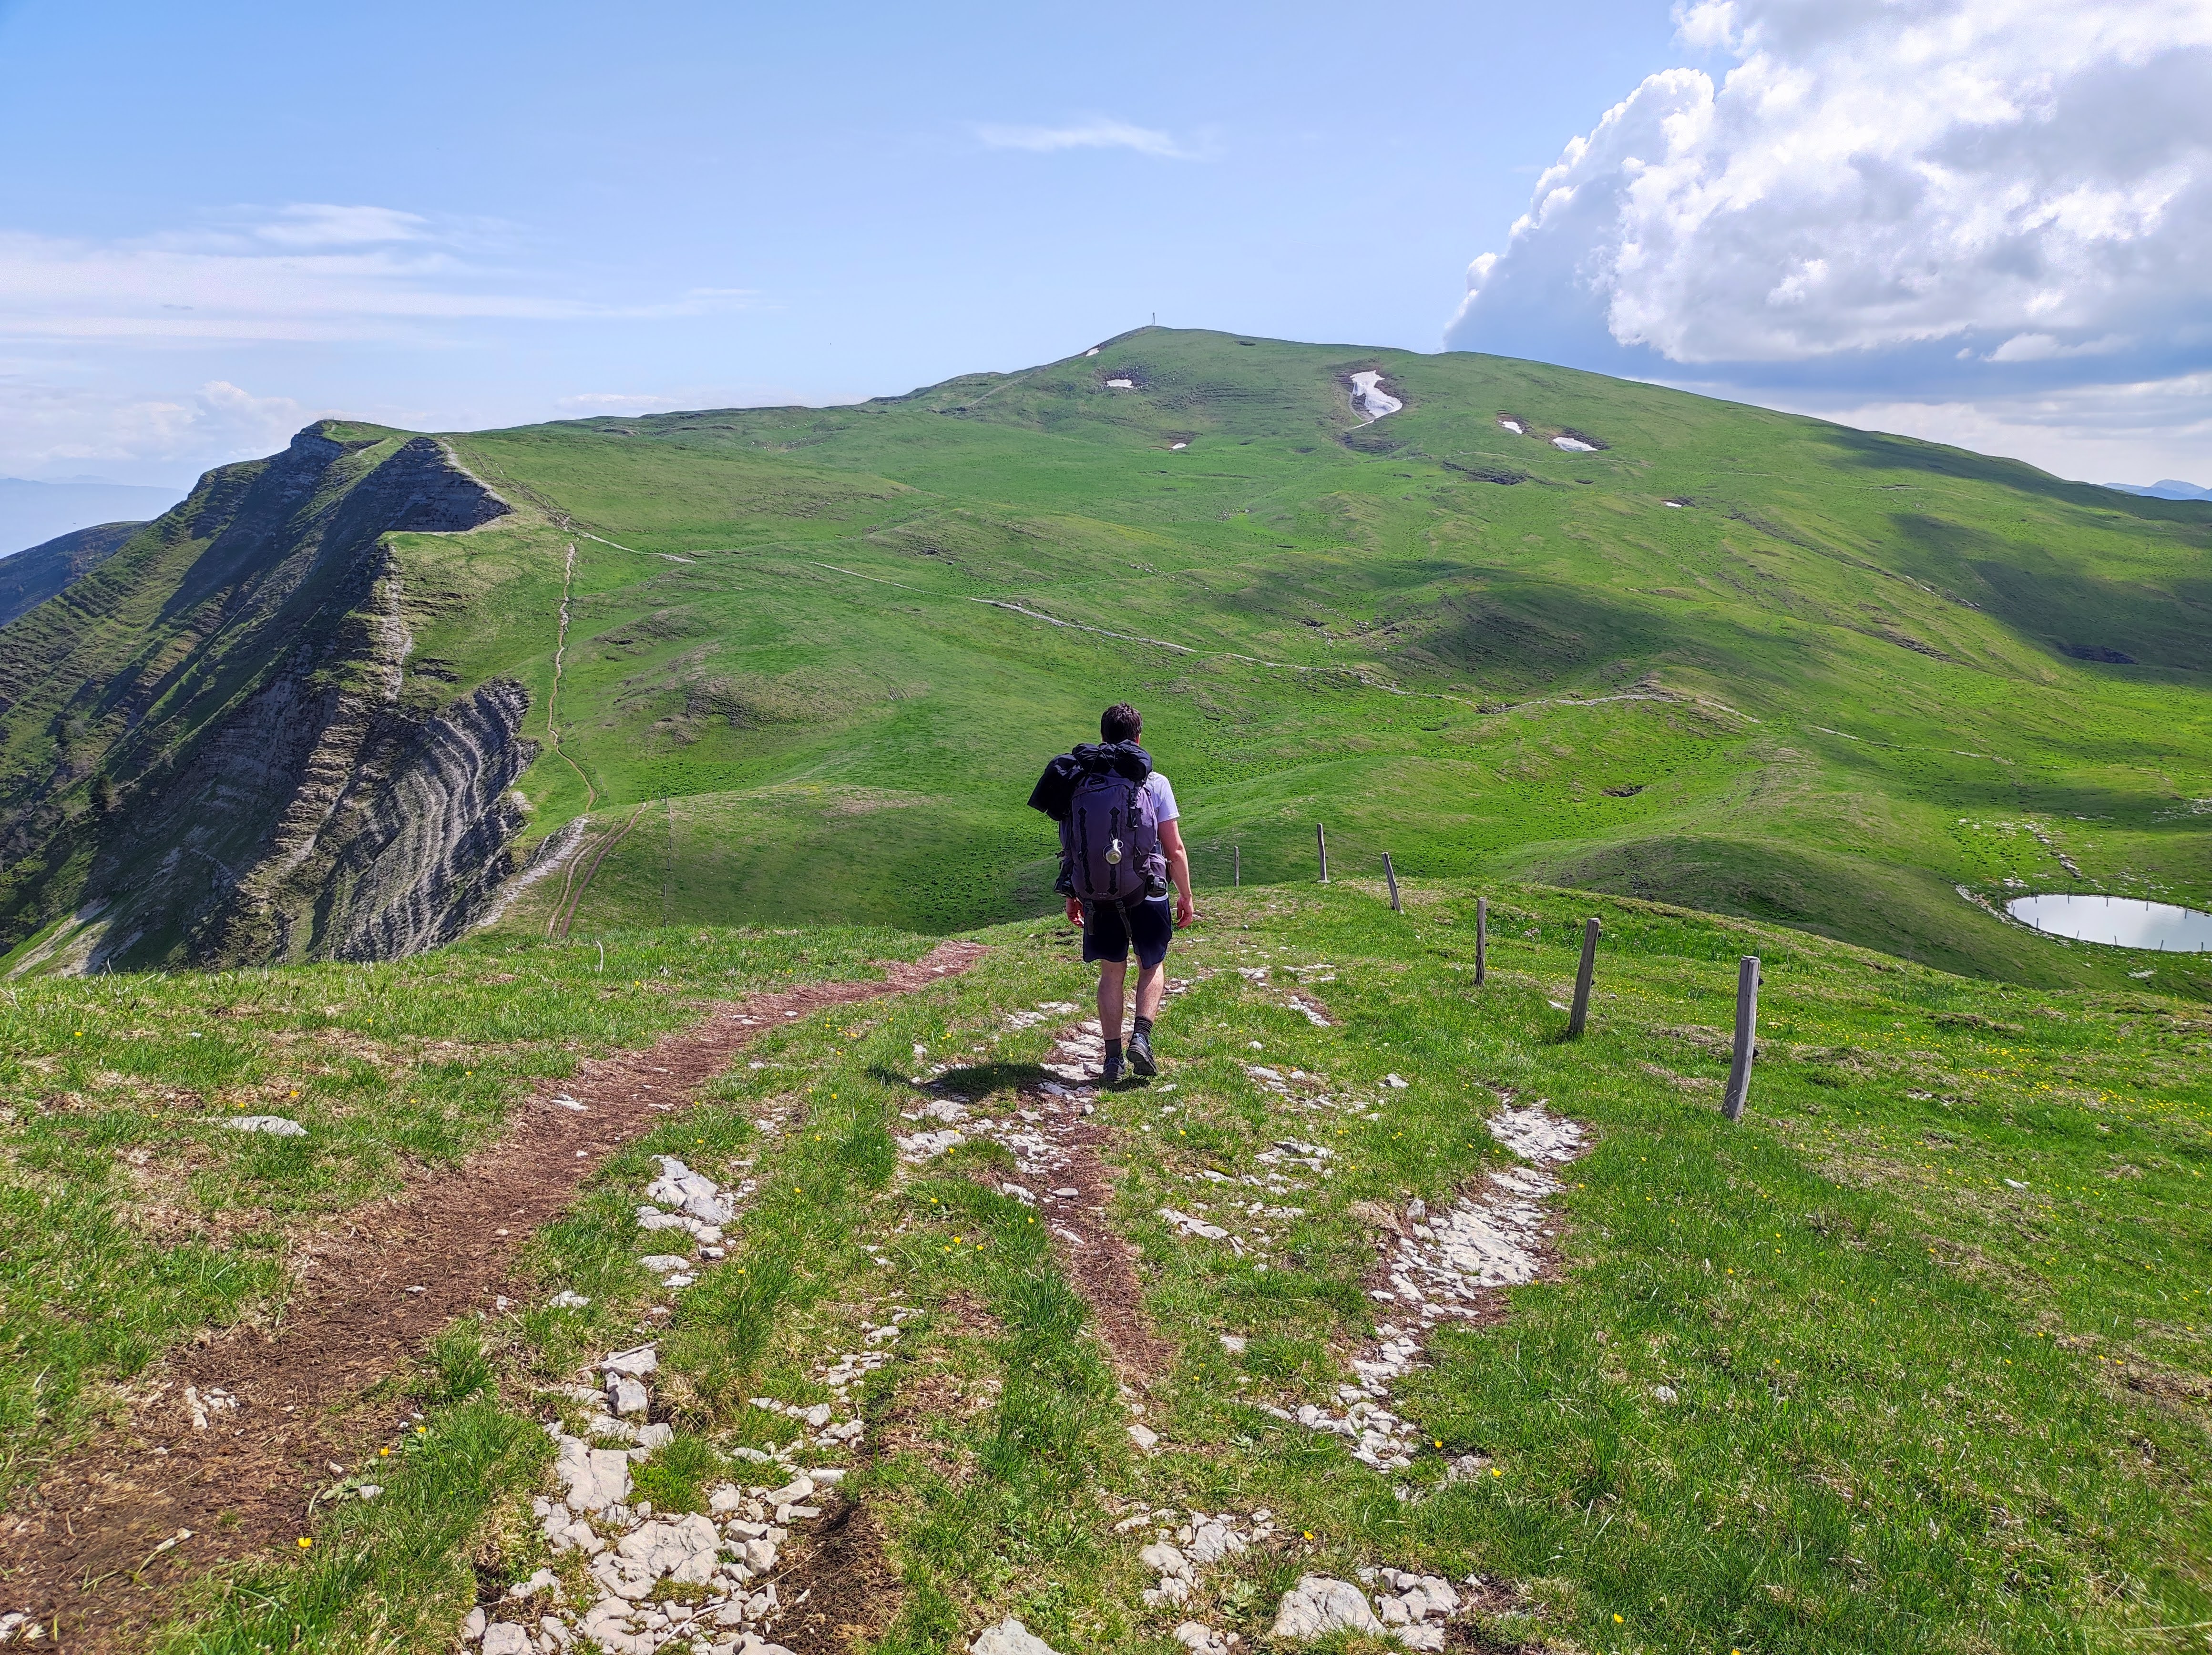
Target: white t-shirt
point(1163, 804)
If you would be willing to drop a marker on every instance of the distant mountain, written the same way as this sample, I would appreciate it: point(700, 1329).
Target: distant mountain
point(32, 514)
point(789, 666)
point(29, 578)
point(2164, 488)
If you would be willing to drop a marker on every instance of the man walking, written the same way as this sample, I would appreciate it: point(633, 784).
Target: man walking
point(1121, 843)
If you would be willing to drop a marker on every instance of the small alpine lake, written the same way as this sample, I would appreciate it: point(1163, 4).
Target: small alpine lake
point(2125, 922)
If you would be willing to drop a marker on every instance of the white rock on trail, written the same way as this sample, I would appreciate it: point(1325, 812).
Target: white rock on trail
point(1533, 1134)
point(472, 1625)
point(1009, 1637)
point(1318, 1605)
point(636, 1363)
point(692, 1193)
point(924, 1146)
point(591, 1479)
point(565, 1300)
point(1200, 1639)
point(505, 1637)
point(273, 1126)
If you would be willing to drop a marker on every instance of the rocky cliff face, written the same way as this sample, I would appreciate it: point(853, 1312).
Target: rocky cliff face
point(206, 753)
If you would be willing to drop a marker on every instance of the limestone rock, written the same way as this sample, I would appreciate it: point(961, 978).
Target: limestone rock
point(1164, 1558)
point(635, 1363)
point(273, 1126)
point(505, 1637)
point(1318, 1605)
point(1009, 1637)
point(591, 1479)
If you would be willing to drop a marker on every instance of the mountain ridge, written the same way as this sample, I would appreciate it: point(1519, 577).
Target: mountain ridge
point(198, 733)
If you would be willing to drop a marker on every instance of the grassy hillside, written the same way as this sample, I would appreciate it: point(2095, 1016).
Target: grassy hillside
point(28, 579)
point(1841, 676)
point(814, 659)
point(1931, 1322)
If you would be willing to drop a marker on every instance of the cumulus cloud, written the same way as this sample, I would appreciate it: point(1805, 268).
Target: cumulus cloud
point(1100, 133)
point(1976, 196)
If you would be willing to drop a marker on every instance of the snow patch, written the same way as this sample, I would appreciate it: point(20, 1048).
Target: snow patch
point(1369, 400)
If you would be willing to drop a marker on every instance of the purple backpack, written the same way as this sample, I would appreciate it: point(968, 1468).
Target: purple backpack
point(1112, 838)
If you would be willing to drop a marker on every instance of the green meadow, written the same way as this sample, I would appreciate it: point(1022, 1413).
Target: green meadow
point(1933, 1316)
point(1736, 659)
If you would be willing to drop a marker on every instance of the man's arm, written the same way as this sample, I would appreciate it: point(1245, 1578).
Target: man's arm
point(1178, 870)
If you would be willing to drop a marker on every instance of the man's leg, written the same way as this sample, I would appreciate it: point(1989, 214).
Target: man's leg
point(1152, 988)
point(1113, 981)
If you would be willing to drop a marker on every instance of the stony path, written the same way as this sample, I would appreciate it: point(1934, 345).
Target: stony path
point(1448, 1265)
point(1052, 1134)
point(225, 1453)
point(736, 1552)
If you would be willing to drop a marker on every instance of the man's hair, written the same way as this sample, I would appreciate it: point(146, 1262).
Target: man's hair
point(1120, 722)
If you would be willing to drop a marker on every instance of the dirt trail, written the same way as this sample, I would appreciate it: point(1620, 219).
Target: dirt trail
point(1057, 1140)
point(80, 1553)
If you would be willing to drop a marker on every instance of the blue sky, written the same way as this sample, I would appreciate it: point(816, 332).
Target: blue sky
point(223, 220)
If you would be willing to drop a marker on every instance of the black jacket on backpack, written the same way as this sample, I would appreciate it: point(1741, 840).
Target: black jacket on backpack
point(1055, 789)
point(1057, 784)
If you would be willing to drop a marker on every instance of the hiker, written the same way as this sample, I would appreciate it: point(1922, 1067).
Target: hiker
point(1120, 844)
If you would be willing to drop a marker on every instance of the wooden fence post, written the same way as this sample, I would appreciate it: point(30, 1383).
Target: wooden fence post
point(1236, 864)
point(1481, 938)
point(1391, 874)
point(1321, 843)
point(1747, 1036)
point(1580, 1015)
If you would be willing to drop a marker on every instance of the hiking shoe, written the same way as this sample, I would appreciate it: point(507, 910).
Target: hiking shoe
point(1112, 1072)
point(1140, 1054)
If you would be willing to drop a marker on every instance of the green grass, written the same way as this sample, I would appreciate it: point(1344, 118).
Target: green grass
point(1860, 645)
point(1828, 690)
point(1935, 1311)
point(130, 1217)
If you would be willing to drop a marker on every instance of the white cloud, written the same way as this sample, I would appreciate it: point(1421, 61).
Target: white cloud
point(1876, 173)
point(590, 403)
point(2099, 434)
point(318, 224)
point(312, 273)
point(1963, 198)
point(48, 430)
point(1101, 133)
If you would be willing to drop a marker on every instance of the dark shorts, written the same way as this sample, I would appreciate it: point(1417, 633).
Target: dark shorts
point(1151, 927)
